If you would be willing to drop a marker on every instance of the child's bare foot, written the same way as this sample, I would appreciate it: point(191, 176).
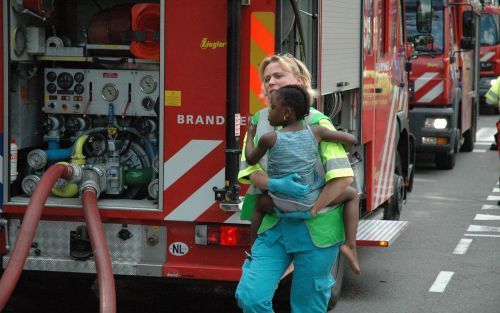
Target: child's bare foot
point(352, 257)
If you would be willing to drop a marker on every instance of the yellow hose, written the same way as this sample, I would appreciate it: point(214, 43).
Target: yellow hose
point(71, 190)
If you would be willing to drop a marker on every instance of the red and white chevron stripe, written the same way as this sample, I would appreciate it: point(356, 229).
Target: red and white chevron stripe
point(487, 56)
point(427, 88)
point(195, 202)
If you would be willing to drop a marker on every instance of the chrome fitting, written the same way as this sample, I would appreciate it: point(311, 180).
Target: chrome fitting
point(29, 184)
point(92, 184)
point(37, 159)
point(94, 176)
point(76, 174)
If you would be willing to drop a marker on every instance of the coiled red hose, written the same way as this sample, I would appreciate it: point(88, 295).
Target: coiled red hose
point(28, 230)
point(107, 295)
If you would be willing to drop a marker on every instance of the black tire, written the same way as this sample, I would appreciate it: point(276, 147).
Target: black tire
point(445, 161)
point(338, 275)
point(470, 135)
point(468, 144)
point(393, 207)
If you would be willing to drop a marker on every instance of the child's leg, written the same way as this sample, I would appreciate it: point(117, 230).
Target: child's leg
point(351, 219)
point(263, 205)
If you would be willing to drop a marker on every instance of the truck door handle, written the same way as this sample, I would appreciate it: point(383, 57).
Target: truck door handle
point(379, 90)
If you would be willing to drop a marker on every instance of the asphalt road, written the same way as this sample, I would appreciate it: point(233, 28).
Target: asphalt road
point(447, 261)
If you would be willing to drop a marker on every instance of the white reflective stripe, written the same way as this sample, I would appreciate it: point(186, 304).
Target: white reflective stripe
point(487, 56)
point(433, 93)
point(235, 219)
point(378, 195)
point(198, 202)
point(388, 177)
point(424, 79)
point(180, 163)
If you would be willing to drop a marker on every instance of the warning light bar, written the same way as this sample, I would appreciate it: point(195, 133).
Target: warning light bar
point(222, 235)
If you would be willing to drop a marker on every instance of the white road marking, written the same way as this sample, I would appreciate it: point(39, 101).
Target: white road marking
point(485, 134)
point(479, 150)
point(484, 143)
point(482, 235)
point(490, 207)
point(486, 217)
point(496, 189)
point(441, 281)
point(481, 228)
point(462, 246)
point(493, 198)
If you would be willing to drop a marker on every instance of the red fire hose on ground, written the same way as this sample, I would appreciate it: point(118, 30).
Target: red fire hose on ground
point(27, 232)
point(107, 295)
point(28, 229)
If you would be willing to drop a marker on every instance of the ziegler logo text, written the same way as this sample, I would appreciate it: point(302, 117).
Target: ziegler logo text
point(206, 44)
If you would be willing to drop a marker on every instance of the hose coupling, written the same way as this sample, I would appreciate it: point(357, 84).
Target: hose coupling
point(94, 176)
point(76, 174)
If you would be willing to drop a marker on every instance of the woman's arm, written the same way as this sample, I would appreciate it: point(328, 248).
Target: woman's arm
point(323, 133)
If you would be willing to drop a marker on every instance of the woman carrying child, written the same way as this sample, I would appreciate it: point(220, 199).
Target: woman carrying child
point(312, 244)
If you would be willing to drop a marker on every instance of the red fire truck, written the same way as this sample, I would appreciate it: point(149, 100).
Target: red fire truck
point(490, 53)
point(444, 78)
point(146, 104)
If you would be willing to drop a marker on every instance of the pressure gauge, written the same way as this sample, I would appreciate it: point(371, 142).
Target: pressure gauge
point(148, 84)
point(109, 92)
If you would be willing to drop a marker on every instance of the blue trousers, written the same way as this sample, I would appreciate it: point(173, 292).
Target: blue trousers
point(311, 284)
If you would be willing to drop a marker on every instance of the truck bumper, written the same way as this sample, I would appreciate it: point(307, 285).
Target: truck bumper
point(425, 135)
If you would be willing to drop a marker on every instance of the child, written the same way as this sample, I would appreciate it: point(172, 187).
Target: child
point(294, 149)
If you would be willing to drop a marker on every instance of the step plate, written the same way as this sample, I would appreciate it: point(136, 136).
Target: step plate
point(379, 233)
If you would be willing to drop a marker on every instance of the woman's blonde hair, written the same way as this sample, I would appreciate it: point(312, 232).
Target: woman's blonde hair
point(291, 65)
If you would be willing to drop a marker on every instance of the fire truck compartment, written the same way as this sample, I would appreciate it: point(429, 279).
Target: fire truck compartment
point(75, 91)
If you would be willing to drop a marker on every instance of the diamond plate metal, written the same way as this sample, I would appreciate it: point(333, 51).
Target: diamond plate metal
point(129, 257)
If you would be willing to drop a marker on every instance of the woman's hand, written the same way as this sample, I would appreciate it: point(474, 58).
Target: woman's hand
point(287, 185)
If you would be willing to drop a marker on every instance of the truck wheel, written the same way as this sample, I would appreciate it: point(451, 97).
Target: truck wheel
point(338, 275)
point(470, 135)
point(445, 161)
point(468, 141)
point(393, 207)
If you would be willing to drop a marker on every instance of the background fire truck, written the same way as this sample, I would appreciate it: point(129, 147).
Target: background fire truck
point(490, 53)
point(146, 103)
point(444, 79)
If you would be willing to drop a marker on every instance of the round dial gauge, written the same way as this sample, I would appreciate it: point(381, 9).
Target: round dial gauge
point(79, 77)
point(148, 84)
point(51, 88)
point(109, 92)
point(79, 89)
point(51, 76)
point(65, 80)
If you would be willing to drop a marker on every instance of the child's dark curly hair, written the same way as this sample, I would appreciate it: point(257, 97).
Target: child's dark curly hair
point(296, 98)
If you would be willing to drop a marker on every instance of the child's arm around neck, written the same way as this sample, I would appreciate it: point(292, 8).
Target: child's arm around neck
point(323, 133)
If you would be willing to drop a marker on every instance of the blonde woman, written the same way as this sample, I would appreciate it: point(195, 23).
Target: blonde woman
point(312, 244)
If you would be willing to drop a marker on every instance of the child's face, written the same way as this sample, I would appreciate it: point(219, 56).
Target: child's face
point(277, 112)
